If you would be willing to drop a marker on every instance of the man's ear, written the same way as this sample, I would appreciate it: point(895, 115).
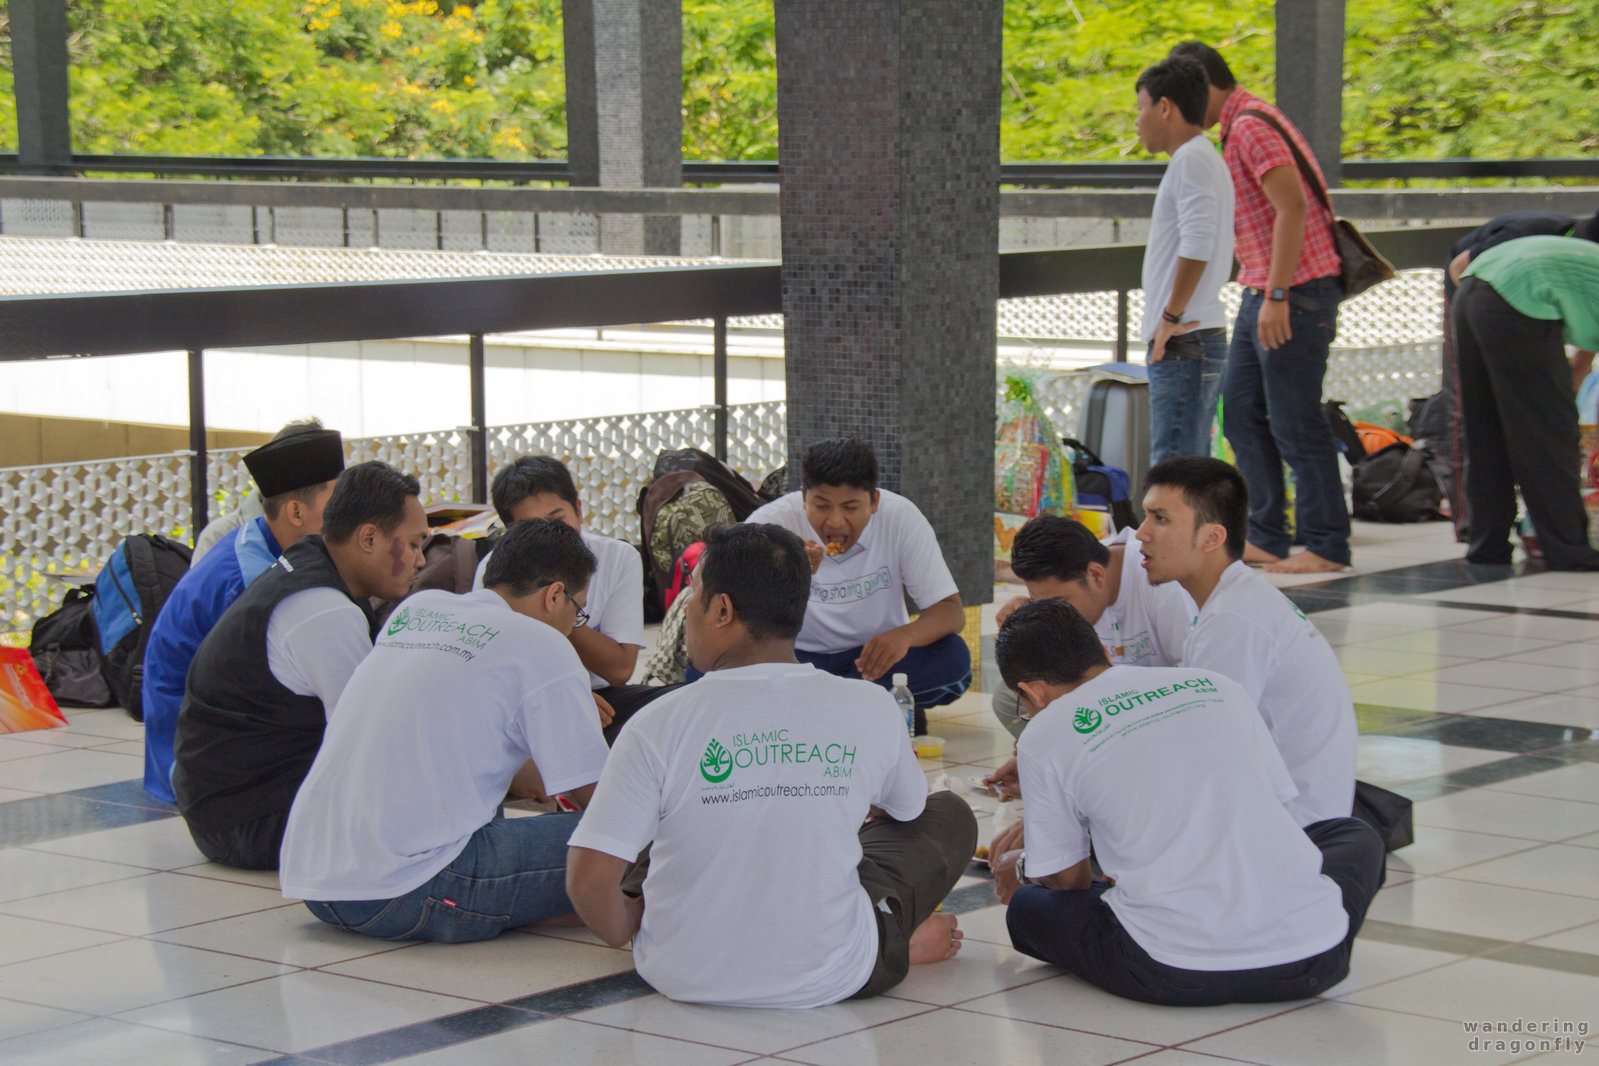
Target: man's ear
point(1036, 694)
point(720, 612)
point(367, 536)
point(1213, 538)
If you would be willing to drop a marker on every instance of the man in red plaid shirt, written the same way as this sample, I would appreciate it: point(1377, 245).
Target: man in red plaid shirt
point(1271, 392)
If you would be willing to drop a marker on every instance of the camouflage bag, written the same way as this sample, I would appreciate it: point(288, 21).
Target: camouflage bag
point(682, 520)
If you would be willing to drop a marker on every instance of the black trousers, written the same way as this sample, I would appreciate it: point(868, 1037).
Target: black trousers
point(1078, 931)
point(628, 700)
point(1520, 420)
point(251, 846)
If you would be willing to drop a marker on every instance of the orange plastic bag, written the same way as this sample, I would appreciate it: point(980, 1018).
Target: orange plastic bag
point(24, 701)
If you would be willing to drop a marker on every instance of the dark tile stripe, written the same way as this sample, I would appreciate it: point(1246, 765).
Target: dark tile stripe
point(1548, 958)
point(1501, 608)
point(1415, 936)
point(67, 814)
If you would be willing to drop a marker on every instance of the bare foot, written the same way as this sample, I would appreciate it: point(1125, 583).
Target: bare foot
point(936, 939)
point(1255, 556)
point(1303, 563)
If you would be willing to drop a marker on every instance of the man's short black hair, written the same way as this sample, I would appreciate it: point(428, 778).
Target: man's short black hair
point(1214, 489)
point(847, 461)
point(366, 492)
point(530, 475)
point(1217, 72)
point(1182, 81)
point(763, 569)
point(1049, 641)
point(538, 552)
point(1587, 229)
point(1051, 546)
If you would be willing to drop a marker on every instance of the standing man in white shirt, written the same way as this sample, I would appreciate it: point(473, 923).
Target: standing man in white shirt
point(539, 486)
point(1187, 260)
point(1211, 894)
point(397, 832)
point(797, 858)
point(1196, 512)
point(266, 677)
point(870, 548)
point(1140, 624)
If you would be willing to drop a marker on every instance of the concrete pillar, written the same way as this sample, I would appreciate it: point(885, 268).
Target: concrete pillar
point(624, 83)
point(1310, 75)
point(39, 68)
point(888, 127)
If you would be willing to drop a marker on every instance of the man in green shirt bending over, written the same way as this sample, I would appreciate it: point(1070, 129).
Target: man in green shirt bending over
point(1518, 306)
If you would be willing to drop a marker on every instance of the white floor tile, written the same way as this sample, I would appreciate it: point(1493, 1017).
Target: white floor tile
point(112, 722)
point(1414, 614)
point(1587, 840)
point(146, 904)
point(215, 871)
point(1560, 708)
point(761, 1031)
point(126, 974)
point(958, 1038)
point(1067, 1000)
point(1584, 938)
point(1525, 677)
point(163, 844)
point(1571, 656)
point(1534, 626)
point(26, 872)
point(568, 1043)
point(1551, 868)
point(1437, 850)
point(1509, 814)
point(65, 769)
point(1388, 761)
point(1481, 990)
point(1416, 694)
point(24, 938)
point(979, 969)
point(1373, 962)
point(491, 970)
point(1579, 783)
point(1387, 662)
point(107, 1040)
point(298, 1011)
point(1507, 594)
point(19, 1019)
point(21, 745)
point(9, 794)
point(1348, 1035)
point(289, 934)
point(1339, 631)
point(1495, 911)
point(1455, 643)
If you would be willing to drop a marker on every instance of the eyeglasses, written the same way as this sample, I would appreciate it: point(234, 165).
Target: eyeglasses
point(582, 612)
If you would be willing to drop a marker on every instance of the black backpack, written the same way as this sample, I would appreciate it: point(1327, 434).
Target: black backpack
point(129, 594)
point(1396, 484)
point(65, 647)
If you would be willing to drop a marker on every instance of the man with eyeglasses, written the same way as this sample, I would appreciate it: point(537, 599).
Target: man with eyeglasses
point(397, 832)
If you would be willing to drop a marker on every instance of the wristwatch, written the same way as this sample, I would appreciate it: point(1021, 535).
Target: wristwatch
point(1277, 295)
point(1021, 869)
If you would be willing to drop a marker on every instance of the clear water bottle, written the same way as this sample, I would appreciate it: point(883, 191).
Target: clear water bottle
point(907, 703)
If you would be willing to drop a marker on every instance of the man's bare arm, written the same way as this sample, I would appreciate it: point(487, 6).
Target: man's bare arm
point(604, 656)
point(889, 647)
point(1287, 198)
point(594, 884)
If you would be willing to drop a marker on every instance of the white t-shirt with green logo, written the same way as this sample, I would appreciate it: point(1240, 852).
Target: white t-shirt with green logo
point(1172, 776)
point(1147, 624)
point(615, 599)
point(456, 695)
point(859, 594)
point(753, 784)
point(1255, 635)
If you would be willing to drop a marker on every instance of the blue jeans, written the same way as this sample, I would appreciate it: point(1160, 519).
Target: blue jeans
point(1272, 414)
point(1183, 388)
point(937, 673)
point(511, 872)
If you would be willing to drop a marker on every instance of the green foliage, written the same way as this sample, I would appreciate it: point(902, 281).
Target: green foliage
point(416, 78)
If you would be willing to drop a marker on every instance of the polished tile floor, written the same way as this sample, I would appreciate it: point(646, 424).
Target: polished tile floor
point(119, 944)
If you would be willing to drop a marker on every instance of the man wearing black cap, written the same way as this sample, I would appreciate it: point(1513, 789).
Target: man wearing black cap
point(266, 677)
point(294, 472)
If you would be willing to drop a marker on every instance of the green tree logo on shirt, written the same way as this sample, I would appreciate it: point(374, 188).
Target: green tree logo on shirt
point(717, 763)
point(401, 618)
point(1085, 720)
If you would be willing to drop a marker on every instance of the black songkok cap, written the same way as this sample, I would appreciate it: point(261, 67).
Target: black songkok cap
point(296, 462)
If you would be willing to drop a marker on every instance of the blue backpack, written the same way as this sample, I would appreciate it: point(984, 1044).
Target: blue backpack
point(128, 596)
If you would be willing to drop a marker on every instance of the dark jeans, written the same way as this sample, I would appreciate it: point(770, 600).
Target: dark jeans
point(938, 673)
point(628, 700)
point(1078, 931)
point(251, 846)
point(1271, 404)
point(1520, 420)
point(511, 872)
point(1183, 388)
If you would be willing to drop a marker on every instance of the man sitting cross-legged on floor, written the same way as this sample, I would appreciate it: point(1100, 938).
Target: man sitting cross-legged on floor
point(397, 832)
point(1139, 624)
point(539, 486)
point(1212, 893)
point(869, 548)
point(1196, 512)
point(797, 858)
